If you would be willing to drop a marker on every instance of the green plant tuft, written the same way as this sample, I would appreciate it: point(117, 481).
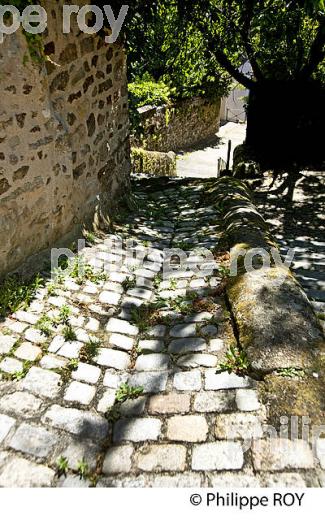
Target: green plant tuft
point(291, 372)
point(62, 465)
point(124, 393)
point(15, 293)
point(236, 362)
point(83, 469)
point(69, 334)
point(129, 283)
point(89, 351)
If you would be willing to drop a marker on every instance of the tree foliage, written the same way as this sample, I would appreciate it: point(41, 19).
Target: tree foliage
point(171, 49)
point(283, 39)
point(149, 92)
point(185, 41)
point(143, 92)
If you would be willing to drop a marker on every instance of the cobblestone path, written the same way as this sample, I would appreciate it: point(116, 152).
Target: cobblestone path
point(111, 379)
point(300, 225)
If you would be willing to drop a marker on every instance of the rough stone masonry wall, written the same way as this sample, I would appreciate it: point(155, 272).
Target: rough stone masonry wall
point(64, 137)
point(182, 125)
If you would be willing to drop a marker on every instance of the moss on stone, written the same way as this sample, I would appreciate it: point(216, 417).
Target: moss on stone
point(284, 397)
point(276, 324)
point(153, 163)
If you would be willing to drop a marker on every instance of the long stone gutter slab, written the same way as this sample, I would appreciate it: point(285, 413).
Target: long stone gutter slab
point(276, 324)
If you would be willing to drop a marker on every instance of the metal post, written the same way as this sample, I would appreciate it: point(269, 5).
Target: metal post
point(228, 155)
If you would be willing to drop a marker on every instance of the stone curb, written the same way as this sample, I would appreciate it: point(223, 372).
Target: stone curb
point(276, 324)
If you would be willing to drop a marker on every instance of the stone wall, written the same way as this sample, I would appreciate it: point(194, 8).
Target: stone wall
point(64, 137)
point(180, 126)
point(161, 164)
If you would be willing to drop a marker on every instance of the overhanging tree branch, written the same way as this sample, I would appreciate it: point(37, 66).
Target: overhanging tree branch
point(230, 68)
point(317, 53)
point(214, 48)
point(246, 21)
point(250, 55)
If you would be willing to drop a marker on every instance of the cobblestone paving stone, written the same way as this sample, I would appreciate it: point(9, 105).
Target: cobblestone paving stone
point(300, 226)
point(190, 426)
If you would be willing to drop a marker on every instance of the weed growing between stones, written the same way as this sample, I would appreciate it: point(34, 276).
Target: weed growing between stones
point(129, 283)
point(85, 272)
point(51, 289)
point(291, 372)
point(62, 466)
point(14, 347)
point(35, 47)
point(172, 284)
point(64, 315)
point(82, 469)
point(224, 271)
point(65, 372)
point(123, 394)
point(236, 362)
point(89, 351)
point(90, 237)
point(126, 392)
point(69, 334)
point(16, 293)
point(147, 316)
point(77, 270)
point(144, 317)
point(45, 325)
point(48, 325)
point(157, 280)
point(19, 375)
